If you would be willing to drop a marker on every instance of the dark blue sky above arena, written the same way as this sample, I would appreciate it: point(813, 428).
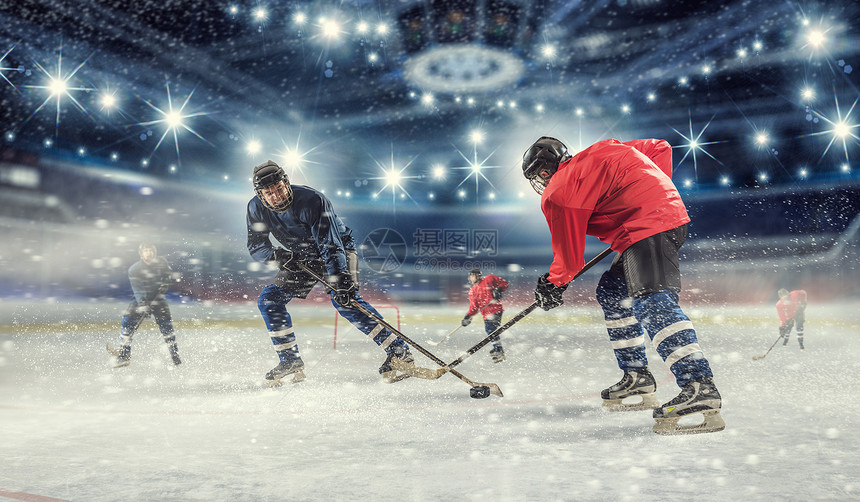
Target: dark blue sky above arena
point(767, 89)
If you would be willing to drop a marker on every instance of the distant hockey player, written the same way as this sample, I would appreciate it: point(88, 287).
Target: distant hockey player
point(622, 193)
point(791, 309)
point(485, 296)
point(308, 231)
point(150, 279)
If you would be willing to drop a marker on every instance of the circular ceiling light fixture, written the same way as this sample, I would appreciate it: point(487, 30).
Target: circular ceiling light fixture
point(463, 68)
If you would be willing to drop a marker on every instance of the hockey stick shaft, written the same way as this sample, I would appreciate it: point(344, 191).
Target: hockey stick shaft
point(492, 302)
point(446, 336)
point(494, 389)
point(759, 358)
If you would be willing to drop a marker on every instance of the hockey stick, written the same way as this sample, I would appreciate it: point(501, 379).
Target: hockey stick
point(759, 358)
point(479, 390)
point(431, 342)
point(460, 326)
point(498, 331)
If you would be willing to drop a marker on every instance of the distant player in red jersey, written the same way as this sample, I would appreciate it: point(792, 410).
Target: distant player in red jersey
point(791, 309)
point(622, 193)
point(485, 296)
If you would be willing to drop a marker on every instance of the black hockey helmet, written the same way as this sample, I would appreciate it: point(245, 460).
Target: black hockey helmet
point(267, 175)
point(477, 273)
point(541, 161)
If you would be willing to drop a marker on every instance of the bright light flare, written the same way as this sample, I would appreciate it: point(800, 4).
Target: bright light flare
point(438, 171)
point(762, 138)
point(108, 100)
point(330, 29)
point(175, 119)
point(300, 18)
point(548, 51)
point(253, 147)
point(807, 93)
point(476, 136)
point(362, 28)
point(816, 38)
point(260, 14)
point(382, 29)
point(58, 87)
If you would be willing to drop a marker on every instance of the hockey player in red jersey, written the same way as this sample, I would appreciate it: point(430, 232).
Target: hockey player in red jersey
point(622, 193)
point(485, 296)
point(791, 309)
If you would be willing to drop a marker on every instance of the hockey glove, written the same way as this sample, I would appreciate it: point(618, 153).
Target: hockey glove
point(466, 321)
point(497, 294)
point(547, 294)
point(344, 289)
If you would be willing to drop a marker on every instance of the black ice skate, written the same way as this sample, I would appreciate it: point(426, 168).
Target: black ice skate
point(295, 368)
point(634, 383)
point(387, 370)
point(698, 396)
point(498, 355)
point(174, 354)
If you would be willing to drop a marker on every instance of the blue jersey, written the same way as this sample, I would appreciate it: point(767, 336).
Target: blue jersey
point(310, 228)
point(148, 281)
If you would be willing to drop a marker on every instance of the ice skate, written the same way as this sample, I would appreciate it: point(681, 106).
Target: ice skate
point(295, 368)
point(388, 372)
point(698, 396)
point(174, 354)
point(121, 361)
point(498, 355)
point(121, 358)
point(634, 383)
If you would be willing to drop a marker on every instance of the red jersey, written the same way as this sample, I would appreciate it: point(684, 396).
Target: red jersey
point(788, 309)
point(481, 295)
point(618, 192)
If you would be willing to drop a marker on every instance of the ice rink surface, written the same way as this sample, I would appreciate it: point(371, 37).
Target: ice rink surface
point(73, 428)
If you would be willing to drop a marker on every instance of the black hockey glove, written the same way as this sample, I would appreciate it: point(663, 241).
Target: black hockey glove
point(344, 289)
point(497, 294)
point(547, 294)
point(466, 321)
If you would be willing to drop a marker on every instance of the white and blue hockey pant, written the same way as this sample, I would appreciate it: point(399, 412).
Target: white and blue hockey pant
point(134, 316)
point(639, 295)
point(272, 303)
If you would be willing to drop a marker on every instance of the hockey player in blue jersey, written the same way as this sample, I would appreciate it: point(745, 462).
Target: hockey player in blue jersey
point(150, 279)
point(306, 229)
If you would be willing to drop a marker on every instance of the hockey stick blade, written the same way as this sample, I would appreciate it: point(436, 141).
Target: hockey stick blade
point(417, 371)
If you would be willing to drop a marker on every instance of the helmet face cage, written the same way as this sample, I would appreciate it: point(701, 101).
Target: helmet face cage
point(269, 175)
point(541, 161)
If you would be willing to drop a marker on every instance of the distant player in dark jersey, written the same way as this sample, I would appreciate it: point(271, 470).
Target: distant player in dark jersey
point(791, 309)
point(485, 296)
point(306, 230)
point(150, 279)
point(622, 193)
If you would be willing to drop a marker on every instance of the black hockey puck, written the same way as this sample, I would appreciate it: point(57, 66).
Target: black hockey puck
point(479, 392)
